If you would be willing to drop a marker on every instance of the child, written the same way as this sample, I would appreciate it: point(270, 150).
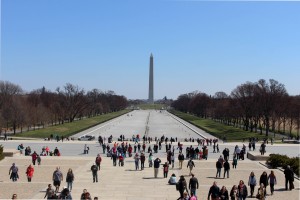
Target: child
point(39, 160)
point(166, 169)
point(234, 162)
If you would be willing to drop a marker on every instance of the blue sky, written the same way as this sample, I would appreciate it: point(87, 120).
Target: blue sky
point(197, 45)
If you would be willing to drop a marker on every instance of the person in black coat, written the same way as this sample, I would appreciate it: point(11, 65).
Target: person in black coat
point(181, 186)
point(226, 168)
point(224, 194)
point(289, 178)
point(264, 180)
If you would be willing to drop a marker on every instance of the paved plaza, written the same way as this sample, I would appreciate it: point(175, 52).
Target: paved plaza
point(125, 182)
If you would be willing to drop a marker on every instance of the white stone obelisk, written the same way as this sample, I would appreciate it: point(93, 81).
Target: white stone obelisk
point(150, 97)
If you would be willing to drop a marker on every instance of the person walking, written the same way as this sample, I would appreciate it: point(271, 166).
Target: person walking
point(252, 183)
point(242, 191)
point(157, 162)
point(272, 180)
point(289, 178)
point(13, 172)
point(29, 172)
point(224, 193)
point(57, 178)
point(181, 186)
point(94, 170)
point(226, 168)
point(191, 165)
point(214, 192)
point(70, 179)
point(180, 159)
point(98, 161)
point(264, 180)
point(233, 192)
point(193, 185)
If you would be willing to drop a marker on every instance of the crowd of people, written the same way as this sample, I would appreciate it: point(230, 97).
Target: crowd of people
point(141, 151)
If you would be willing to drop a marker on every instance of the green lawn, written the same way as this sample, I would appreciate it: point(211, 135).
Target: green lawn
point(217, 129)
point(69, 129)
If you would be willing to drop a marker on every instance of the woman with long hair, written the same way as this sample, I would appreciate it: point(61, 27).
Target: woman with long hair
point(272, 181)
point(70, 179)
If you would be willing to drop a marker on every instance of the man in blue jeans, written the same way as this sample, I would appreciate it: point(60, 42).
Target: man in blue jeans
point(193, 184)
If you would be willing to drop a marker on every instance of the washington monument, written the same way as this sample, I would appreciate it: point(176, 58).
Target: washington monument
point(150, 97)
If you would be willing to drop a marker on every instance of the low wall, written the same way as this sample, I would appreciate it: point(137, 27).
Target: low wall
point(257, 157)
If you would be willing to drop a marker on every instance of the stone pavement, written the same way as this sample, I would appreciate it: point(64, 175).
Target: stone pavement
point(125, 182)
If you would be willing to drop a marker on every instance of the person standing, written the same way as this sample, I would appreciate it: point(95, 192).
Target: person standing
point(143, 158)
point(226, 168)
point(214, 192)
point(252, 183)
point(191, 165)
point(219, 167)
point(234, 162)
point(173, 159)
point(193, 185)
point(272, 181)
point(136, 161)
point(39, 160)
point(57, 178)
point(157, 162)
point(29, 172)
point(181, 186)
point(98, 161)
point(94, 170)
point(13, 172)
point(70, 179)
point(262, 148)
point(289, 178)
point(166, 169)
point(150, 160)
point(180, 159)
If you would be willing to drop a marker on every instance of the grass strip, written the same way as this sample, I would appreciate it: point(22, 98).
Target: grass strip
point(69, 129)
point(217, 129)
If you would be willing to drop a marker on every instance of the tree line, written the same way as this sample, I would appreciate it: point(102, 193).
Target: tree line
point(43, 107)
point(263, 106)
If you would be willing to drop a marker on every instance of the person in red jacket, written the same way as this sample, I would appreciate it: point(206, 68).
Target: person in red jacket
point(29, 172)
point(34, 157)
point(130, 150)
